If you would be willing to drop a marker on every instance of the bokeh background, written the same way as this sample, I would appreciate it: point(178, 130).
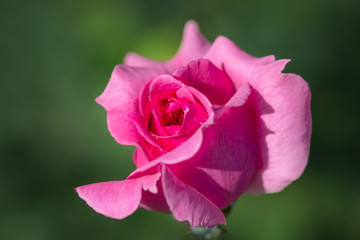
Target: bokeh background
point(57, 56)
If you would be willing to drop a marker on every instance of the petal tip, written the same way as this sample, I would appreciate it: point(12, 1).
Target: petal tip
point(191, 25)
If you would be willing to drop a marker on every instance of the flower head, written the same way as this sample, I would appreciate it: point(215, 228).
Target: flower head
point(209, 124)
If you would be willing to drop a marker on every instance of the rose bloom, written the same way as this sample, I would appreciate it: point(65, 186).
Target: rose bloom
point(209, 124)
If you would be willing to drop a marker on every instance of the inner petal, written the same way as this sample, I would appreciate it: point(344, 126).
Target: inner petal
point(175, 112)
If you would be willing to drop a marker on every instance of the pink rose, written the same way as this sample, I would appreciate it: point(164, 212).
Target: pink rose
point(209, 124)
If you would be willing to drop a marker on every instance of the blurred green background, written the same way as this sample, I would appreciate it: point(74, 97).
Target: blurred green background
point(57, 56)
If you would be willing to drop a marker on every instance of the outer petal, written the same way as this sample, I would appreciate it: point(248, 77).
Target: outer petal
point(282, 104)
point(283, 107)
point(124, 86)
point(117, 199)
point(187, 204)
point(156, 202)
point(193, 46)
point(136, 60)
point(224, 52)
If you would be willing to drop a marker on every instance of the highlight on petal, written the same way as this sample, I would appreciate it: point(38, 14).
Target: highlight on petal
point(187, 204)
point(117, 199)
point(240, 97)
point(282, 102)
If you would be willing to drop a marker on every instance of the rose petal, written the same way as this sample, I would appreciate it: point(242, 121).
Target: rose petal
point(282, 103)
point(183, 152)
point(240, 97)
point(224, 165)
point(208, 79)
point(193, 46)
point(141, 125)
point(283, 106)
point(187, 204)
point(156, 201)
point(124, 86)
point(136, 60)
point(162, 86)
point(140, 157)
point(224, 52)
point(195, 116)
point(117, 199)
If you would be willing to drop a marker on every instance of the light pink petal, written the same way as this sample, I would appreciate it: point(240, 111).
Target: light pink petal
point(136, 60)
point(283, 107)
point(139, 157)
point(193, 46)
point(208, 79)
point(224, 52)
point(117, 199)
point(187, 204)
point(282, 104)
point(240, 97)
point(153, 201)
point(124, 86)
point(117, 124)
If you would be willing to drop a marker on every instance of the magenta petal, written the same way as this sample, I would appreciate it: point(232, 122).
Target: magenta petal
point(208, 79)
point(117, 199)
point(187, 204)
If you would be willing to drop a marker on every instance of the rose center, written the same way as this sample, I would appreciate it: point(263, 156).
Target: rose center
point(173, 118)
point(171, 111)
